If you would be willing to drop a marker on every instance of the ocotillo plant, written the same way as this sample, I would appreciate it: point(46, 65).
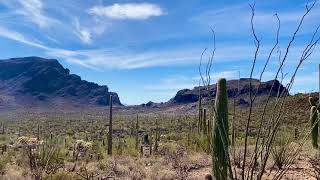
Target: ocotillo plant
point(137, 132)
point(110, 127)
point(220, 132)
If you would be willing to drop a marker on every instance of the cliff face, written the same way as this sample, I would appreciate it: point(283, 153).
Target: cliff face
point(192, 95)
point(39, 79)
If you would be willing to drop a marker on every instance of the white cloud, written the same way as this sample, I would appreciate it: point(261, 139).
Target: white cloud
point(136, 11)
point(214, 76)
point(83, 34)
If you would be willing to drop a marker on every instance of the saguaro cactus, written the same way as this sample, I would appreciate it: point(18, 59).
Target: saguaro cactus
point(199, 111)
point(3, 129)
point(204, 122)
point(110, 127)
point(38, 133)
point(156, 144)
point(220, 132)
point(314, 121)
point(314, 126)
point(137, 132)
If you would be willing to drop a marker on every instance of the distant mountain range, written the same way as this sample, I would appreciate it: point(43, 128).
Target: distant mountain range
point(36, 81)
point(32, 80)
point(239, 88)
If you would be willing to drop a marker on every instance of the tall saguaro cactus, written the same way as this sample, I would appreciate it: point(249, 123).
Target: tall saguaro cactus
point(314, 126)
point(156, 143)
point(314, 121)
point(110, 127)
point(204, 122)
point(137, 132)
point(220, 140)
point(38, 133)
point(199, 111)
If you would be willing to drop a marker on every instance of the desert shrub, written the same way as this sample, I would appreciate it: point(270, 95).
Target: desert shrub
point(88, 170)
point(3, 165)
point(70, 132)
point(25, 173)
point(121, 170)
point(158, 173)
point(97, 150)
point(167, 148)
point(102, 165)
point(171, 137)
point(201, 143)
point(315, 166)
point(3, 138)
point(44, 158)
point(281, 150)
point(62, 175)
point(136, 172)
point(279, 156)
point(128, 148)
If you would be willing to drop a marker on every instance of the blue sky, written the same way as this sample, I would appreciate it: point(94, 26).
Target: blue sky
point(148, 50)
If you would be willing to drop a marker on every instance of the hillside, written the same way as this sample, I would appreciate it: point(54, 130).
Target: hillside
point(32, 81)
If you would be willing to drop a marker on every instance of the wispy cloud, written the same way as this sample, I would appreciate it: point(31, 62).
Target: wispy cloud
point(122, 58)
point(83, 34)
point(126, 58)
point(136, 11)
point(224, 21)
point(31, 10)
point(6, 33)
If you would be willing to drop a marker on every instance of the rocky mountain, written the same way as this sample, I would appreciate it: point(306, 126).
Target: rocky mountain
point(33, 79)
point(235, 88)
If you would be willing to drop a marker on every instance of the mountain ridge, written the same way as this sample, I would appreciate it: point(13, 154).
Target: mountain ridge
point(36, 79)
point(234, 88)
